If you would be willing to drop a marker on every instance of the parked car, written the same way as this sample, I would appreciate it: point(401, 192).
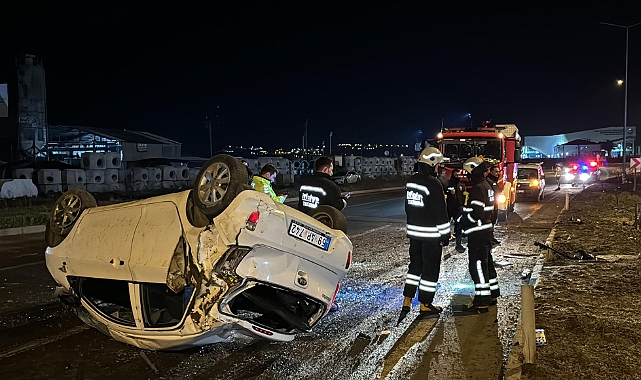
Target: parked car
point(192, 268)
point(346, 177)
point(530, 182)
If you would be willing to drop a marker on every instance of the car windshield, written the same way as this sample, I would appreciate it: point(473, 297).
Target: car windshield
point(462, 149)
point(525, 173)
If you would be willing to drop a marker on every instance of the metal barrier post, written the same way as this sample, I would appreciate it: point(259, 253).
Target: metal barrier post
point(567, 202)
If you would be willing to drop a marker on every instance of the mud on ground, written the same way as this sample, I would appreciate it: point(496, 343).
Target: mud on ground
point(591, 311)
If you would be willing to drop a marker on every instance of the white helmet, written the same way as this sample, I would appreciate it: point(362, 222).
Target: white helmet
point(472, 163)
point(431, 156)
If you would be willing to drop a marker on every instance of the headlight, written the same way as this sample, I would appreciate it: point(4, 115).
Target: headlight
point(534, 183)
point(502, 198)
point(569, 176)
point(584, 176)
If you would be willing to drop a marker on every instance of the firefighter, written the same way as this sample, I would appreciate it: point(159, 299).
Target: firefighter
point(493, 178)
point(478, 227)
point(428, 229)
point(455, 197)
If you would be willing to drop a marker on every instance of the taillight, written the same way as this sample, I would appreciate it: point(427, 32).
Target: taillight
point(575, 167)
point(593, 163)
point(349, 260)
point(252, 221)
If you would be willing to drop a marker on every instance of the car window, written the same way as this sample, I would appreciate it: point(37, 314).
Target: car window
point(110, 297)
point(161, 306)
point(527, 173)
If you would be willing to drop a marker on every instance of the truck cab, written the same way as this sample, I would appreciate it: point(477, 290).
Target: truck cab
point(498, 144)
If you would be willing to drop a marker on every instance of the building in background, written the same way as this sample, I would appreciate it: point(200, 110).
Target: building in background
point(608, 140)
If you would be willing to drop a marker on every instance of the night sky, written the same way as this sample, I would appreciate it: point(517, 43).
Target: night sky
point(369, 72)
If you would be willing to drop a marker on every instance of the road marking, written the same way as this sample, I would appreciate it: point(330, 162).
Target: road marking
point(369, 231)
point(22, 265)
point(43, 341)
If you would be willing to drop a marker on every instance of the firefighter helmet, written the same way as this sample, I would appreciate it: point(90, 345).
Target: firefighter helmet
point(472, 163)
point(430, 156)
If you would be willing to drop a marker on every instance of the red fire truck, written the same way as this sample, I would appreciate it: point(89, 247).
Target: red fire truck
point(498, 143)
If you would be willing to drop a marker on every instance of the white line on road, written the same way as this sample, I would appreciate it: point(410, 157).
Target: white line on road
point(42, 342)
point(21, 266)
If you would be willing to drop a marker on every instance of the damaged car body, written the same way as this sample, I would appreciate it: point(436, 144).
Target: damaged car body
point(196, 267)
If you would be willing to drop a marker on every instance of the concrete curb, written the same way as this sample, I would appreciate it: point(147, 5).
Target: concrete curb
point(513, 367)
point(22, 230)
point(41, 228)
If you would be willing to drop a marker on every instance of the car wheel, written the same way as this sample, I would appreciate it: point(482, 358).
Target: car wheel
point(65, 213)
point(330, 217)
point(217, 184)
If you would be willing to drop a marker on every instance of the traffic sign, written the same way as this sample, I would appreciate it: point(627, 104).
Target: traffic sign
point(635, 163)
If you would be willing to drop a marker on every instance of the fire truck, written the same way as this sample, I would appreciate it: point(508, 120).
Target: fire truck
point(498, 144)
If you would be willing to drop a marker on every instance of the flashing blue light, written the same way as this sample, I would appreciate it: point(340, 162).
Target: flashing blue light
point(584, 167)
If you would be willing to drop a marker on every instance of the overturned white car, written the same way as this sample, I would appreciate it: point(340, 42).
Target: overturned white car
point(192, 268)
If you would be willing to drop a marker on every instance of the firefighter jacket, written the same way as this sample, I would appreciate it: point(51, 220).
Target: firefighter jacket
point(493, 181)
point(455, 196)
point(319, 189)
point(477, 212)
point(425, 209)
point(265, 186)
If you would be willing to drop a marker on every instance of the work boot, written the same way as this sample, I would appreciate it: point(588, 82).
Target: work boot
point(407, 303)
point(407, 307)
point(429, 310)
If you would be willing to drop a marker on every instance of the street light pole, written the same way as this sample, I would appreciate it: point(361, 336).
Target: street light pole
point(625, 90)
point(330, 142)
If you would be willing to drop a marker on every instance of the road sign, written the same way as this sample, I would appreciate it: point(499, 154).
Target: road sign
point(635, 163)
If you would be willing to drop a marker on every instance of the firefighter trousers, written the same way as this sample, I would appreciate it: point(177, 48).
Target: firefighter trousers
point(481, 267)
point(423, 271)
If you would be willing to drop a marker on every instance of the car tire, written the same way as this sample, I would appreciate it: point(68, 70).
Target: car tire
point(218, 182)
point(330, 217)
point(65, 213)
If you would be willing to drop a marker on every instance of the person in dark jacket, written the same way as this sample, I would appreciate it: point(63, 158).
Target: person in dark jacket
point(493, 178)
point(319, 189)
point(478, 227)
point(428, 229)
point(454, 200)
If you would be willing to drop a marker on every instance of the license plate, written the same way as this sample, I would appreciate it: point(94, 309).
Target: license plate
point(310, 235)
point(520, 191)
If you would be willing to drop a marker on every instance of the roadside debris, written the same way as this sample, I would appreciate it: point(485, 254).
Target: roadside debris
point(579, 255)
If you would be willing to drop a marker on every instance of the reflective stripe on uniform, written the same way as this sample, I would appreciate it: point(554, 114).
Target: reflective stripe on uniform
point(494, 284)
point(478, 203)
point(427, 286)
point(313, 189)
point(477, 228)
point(416, 186)
point(412, 279)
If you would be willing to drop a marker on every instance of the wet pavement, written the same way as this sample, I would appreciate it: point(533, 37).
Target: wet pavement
point(41, 339)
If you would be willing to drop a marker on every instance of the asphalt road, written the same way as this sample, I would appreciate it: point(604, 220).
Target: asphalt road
point(41, 339)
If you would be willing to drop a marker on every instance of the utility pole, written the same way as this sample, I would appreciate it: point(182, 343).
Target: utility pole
point(330, 142)
point(305, 145)
point(625, 83)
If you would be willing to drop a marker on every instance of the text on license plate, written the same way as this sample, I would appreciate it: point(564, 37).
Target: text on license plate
point(310, 235)
point(520, 191)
